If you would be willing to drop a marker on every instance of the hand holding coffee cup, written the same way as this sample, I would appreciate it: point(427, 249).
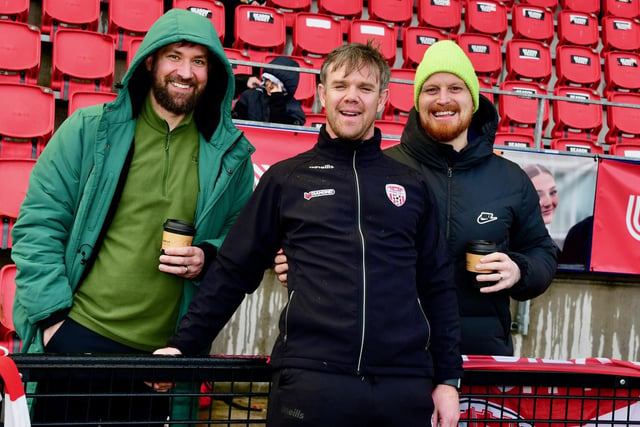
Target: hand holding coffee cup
point(177, 233)
point(475, 250)
point(177, 237)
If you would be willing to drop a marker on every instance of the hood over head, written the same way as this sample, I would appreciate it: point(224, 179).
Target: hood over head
point(179, 25)
point(288, 78)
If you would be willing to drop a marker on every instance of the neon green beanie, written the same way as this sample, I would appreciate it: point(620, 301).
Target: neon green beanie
point(447, 57)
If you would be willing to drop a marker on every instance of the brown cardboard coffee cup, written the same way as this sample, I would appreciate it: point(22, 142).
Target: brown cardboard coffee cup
point(177, 233)
point(475, 250)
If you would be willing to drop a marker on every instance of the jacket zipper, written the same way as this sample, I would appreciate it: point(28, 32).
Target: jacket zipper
point(165, 173)
point(364, 275)
point(428, 325)
point(448, 218)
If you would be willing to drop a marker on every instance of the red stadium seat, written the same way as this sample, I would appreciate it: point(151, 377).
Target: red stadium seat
point(576, 146)
point(578, 28)
point(390, 127)
point(516, 140)
point(19, 52)
point(83, 15)
point(238, 55)
point(132, 18)
point(576, 119)
point(314, 36)
point(532, 22)
point(445, 15)
point(381, 33)
point(586, 6)
point(623, 122)
point(398, 12)
point(7, 295)
point(213, 10)
point(624, 9)
point(485, 54)
point(486, 17)
point(626, 150)
point(620, 34)
point(400, 95)
point(306, 91)
point(27, 121)
point(486, 84)
point(528, 60)
point(82, 60)
point(134, 44)
point(16, 10)
point(84, 99)
point(578, 66)
point(518, 113)
point(290, 8)
point(259, 31)
point(343, 10)
point(415, 42)
point(315, 120)
point(621, 72)
point(549, 4)
point(14, 181)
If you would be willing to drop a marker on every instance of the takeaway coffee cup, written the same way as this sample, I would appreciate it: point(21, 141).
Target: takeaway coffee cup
point(475, 250)
point(177, 233)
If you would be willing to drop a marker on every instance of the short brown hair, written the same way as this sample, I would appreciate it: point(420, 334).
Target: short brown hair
point(355, 56)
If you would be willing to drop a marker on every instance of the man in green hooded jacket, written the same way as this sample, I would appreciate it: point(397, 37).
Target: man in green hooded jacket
point(90, 277)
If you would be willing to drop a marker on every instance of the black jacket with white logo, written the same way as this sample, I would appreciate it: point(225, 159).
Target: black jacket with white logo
point(483, 196)
point(370, 283)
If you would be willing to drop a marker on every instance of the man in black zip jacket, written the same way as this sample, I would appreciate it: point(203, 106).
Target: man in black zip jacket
point(370, 335)
point(449, 138)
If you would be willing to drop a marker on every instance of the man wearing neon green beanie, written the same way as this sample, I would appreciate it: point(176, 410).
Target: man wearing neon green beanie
point(481, 196)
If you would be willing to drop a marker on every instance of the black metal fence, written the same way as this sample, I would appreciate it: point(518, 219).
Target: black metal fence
point(233, 391)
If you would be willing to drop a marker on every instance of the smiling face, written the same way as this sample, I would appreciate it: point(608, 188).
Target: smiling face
point(351, 102)
point(179, 72)
point(548, 193)
point(446, 108)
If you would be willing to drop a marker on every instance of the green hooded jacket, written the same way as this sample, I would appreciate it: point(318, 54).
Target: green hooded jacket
point(72, 186)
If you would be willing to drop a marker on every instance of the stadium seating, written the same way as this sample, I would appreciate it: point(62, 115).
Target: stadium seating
point(132, 18)
point(400, 95)
point(290, 8)
point(19, 52)
point(390, 127)
point(314, 36)
point(576, 119)
point(315, 120)
point(84, 15)
point(381, 33)
point(486, 84)
point(578, 28)
point(16, 10)
point(27, 119)
point(485, 53)
point(415, 42)
point(621, 72)
point(81, 99)
point(398, 12)
point(518, 113)
point(213, 10)
point(586, 6)
point(626, 150)
point(259, 31)
point(532, 22)
point(14, 180)
point(578, 66)
point(625, 9)
point(516, 140)
point(82, 60)
point(576, 146)
point(343, 10)
point(445, 15)
point(134, 44)
point(528, 60)
point(237, 54)
point(306, 91)
point(486, 17)
point(550, 4)
point(620, 34)
point(623, 122)
point(8, 336)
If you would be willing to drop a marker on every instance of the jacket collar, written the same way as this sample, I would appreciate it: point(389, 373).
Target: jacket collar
point(342, 149)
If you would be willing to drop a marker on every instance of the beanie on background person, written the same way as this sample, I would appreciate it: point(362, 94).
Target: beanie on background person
point(446, 56)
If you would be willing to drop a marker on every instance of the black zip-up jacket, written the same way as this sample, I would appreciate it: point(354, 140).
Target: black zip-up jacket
point(481, 195)
point(370, 284)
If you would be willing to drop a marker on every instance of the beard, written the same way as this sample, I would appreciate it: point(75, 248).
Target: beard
point(176, 103)
point(445, 132)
